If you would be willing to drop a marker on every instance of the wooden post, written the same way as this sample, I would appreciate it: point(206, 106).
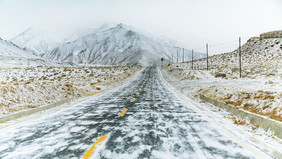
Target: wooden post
point(177, 55)
point(192, 59)
point(183, 55)
point(240, 62)
point(207, 56)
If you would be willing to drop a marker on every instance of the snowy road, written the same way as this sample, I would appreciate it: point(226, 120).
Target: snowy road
point(155, 124)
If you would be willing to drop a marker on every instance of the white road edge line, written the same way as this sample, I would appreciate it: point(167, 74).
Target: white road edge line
point(256, 152)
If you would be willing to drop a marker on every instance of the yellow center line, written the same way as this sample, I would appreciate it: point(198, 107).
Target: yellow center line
point(137, 93)
point(132, 100)
point(92, 149)
point(123, 112)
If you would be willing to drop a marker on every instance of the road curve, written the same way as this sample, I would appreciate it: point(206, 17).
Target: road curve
point(142, 119)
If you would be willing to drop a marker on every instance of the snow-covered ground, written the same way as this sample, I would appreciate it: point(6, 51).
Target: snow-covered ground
point(31, 87)
point(244, 130)
point(260, 88)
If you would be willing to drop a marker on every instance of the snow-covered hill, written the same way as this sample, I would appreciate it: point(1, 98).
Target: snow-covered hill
point(12, 55)
point(36, 40)
point(119, 45)
point(259, 88)
point(260, 57)
point(40, 41)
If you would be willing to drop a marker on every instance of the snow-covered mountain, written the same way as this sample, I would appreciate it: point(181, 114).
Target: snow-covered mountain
point(12, 55)
point(35, 40)
point(40, 41)
point(119, 45)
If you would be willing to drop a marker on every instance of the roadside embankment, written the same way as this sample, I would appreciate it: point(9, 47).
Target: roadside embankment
point(256, 101)
point(266, 123)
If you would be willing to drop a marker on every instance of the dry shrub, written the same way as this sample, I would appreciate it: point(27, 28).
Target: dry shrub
point(268, 97)
point(94, 83)
point(235, 103)
point(265, 107)
point(239, 122)
point(247, 105)
point(228, 97)
point(32, 106)
point(273, 114)
point(3, 82)
point(70, 85)
point(234, 70)
point(258, 96)
point(248, 96)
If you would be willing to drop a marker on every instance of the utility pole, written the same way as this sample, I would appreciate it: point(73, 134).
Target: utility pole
point(183, 55)
point(240, 55)
point(207, 56)
point(177, 55)
point(172, 59)
point(192, 59)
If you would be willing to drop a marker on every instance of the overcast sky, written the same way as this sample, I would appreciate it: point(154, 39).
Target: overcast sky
point(191, 22)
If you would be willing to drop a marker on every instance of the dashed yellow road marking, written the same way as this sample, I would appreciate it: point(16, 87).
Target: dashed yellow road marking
point(92, 149)
point(123, 112)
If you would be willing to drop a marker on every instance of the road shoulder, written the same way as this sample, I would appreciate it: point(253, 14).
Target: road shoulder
point(219, 119)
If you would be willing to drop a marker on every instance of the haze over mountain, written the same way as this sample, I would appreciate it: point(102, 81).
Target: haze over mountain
point(119, 45)
point(12, 55)
point(40, 41)
point(36, 40)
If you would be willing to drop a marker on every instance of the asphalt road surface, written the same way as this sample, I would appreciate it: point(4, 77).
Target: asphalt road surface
point(142, 119)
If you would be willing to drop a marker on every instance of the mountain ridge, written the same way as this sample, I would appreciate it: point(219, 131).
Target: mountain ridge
point(119, 45)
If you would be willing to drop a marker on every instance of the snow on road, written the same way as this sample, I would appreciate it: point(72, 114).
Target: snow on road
point(156, 125)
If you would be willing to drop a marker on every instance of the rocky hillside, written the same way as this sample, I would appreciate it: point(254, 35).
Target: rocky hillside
point(260, 57)
point(258, 91)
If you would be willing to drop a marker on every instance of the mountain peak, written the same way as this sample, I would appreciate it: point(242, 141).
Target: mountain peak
point(120, 25)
